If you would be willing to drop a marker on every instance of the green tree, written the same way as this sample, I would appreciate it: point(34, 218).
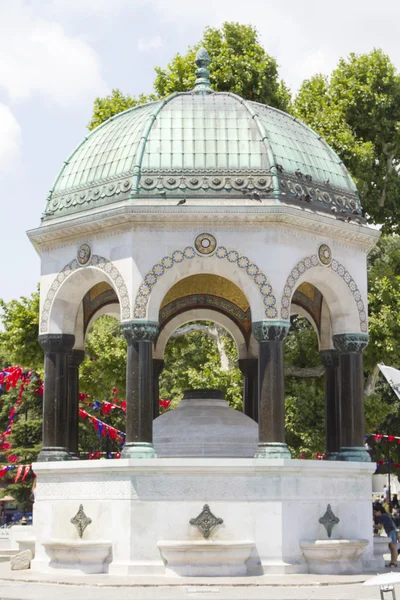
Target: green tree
point(357, 110)
point(19, 337)
point(239, 64)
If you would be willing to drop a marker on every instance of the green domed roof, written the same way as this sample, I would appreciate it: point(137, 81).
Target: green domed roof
point(202, 145)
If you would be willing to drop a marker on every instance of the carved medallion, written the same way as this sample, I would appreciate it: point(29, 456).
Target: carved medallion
point(328, 520)
point(206, 521)
point(84, 254)
point(325, 255)
point(81, 521)
point(205, 243)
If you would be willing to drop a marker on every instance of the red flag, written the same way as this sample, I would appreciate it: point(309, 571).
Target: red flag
point(26, 471)
point(19, 472)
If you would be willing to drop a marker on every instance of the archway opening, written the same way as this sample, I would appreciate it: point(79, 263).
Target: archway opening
point(304, 390)
point(201, 354)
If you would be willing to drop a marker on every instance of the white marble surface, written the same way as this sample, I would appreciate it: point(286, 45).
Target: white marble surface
point(328, 557)
point(205, 427)
point(136, 504)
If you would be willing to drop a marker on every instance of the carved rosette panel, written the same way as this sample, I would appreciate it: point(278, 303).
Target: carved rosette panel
point(100, 263)
point(105, 188)
point(207, 180)
point(310, 262)
point(188, 253)
point(327, 195)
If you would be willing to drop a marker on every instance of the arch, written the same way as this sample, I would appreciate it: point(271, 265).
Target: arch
point(254, 273)
point(339, 305)
point(200, 314)
point(101, 269)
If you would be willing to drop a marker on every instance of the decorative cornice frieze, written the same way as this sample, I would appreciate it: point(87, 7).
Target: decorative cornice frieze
point(270, 331)
point(347, 343)
point(74, 227)
point(140, 331)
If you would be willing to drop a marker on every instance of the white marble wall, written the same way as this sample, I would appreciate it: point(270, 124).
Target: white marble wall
point(136, 504)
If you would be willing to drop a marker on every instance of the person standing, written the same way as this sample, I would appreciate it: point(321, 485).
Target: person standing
point(385, 521)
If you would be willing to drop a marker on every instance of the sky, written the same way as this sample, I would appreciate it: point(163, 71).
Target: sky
point(57, 56)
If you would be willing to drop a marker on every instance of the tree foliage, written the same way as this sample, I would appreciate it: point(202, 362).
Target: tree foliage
point(239, 64)
point(19, 337)
point(357, 110)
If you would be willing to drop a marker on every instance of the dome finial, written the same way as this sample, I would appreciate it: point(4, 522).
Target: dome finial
point(202, 83)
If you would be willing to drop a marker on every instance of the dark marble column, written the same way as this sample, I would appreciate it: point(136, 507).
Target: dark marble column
point(75, 358)
point(158, 365)
point(352, 419)
point(271, 389)
point(249, 368)
point(139, 389)
point(56, 347)
point(330, 360)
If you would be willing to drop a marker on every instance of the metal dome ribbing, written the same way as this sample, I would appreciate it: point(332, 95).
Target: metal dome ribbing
point(202, 144)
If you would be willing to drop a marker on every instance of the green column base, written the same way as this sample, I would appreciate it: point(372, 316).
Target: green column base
point(54, 453)
point(138, 450)
point(332, 456)
point(353, 454)
point(272, 450)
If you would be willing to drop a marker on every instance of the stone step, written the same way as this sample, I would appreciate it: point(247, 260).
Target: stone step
point(6, 554)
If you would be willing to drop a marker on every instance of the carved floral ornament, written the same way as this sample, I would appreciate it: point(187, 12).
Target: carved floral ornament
point(221, 253)
point(95, 261)
point(324, 258)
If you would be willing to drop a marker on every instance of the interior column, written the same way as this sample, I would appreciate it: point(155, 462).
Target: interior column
point(75, 358)
point(249, 369)
point(271, 389)
point(352, 419)
point(56, 347)
point(330, 360)
point(139, 389)
point(158, 365)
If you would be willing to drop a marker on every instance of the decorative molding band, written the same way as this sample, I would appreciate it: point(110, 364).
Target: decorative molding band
point(99, 262)
point(350, 342)
point(329, 358)
point(310, 262)
point(56, 342)
point(143, 331)
point(270, 331)
point(188, 253)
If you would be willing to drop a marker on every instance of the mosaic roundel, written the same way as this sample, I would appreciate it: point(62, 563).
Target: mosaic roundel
point(222, 253)
point(325, 254)
point(313, 261)
point(205, 243)
point(84, 254)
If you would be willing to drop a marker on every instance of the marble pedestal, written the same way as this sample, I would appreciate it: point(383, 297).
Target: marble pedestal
point(140, 505)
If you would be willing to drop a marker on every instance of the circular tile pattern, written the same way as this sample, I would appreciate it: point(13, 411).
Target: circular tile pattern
point(205, 243)
point(325, 255)
point(84, 254)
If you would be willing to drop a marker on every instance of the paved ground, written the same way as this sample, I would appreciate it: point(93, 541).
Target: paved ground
point(25, 585)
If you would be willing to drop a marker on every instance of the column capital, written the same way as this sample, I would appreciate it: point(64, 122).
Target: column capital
point(270, 331)
point(140, 331)
point(56, 342)
point(248, 366)
point(329, 358)
point(75, 357)
point(347, 343)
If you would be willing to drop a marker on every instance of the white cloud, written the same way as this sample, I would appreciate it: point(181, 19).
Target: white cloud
point(38, 57)
point(146, 45)
point(10, 138)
